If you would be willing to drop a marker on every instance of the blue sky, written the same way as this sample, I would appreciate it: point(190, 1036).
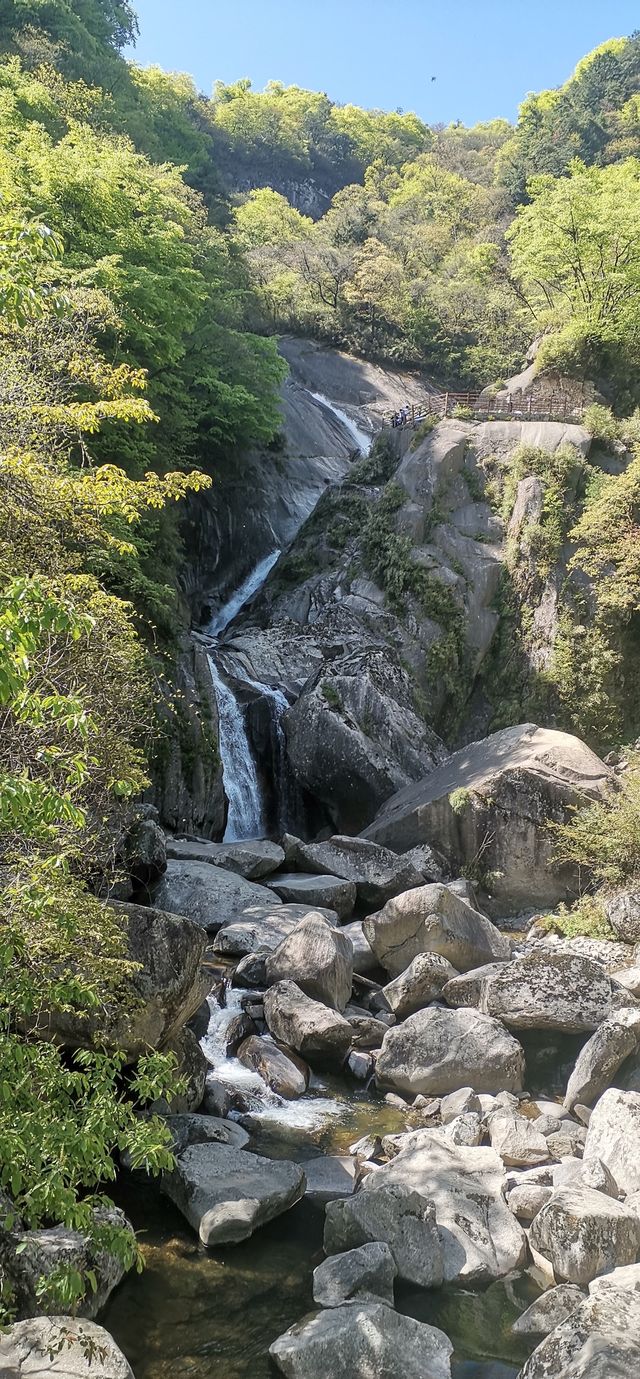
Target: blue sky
point(484, 54)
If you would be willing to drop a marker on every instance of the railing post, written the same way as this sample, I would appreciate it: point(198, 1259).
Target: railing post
point(446, 404)
point(529, 402)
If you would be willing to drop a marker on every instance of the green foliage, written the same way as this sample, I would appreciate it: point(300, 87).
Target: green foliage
point(423, 430)
point(592, 117)
point(378, 466)
point(330, 694)
point(585, 919)
point(601, 423)
point(459, 800)
point(576, 255)
point(603, 838)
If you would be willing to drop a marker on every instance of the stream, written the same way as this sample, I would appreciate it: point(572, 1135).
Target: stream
point(212, 1315)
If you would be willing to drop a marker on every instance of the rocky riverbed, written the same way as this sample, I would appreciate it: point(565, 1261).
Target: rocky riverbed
point(408, 1139)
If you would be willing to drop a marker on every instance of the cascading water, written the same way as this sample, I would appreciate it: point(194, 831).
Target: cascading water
point(257, 1097)
point(363, 439)
point(241, 783)
point(243, 594)
point(246, 817)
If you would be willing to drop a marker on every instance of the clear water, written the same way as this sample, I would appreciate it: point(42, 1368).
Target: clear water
point(362, 439)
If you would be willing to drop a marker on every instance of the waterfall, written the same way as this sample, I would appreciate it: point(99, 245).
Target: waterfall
point(239, 771)
point(243, 594)
point(246, 818)
point(362, 439)
point(247, 808)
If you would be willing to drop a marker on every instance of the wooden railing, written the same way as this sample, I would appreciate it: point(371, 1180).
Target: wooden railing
point(479, 406)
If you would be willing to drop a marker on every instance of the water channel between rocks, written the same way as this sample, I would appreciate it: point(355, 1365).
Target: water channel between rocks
point(212, 1315)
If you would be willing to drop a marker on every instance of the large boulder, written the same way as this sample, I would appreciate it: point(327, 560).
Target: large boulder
point(419, 985)
point(623, 912)
point(225, 1193)
point(613, 1135)
point(599, 1340)
point(168, 981)
point(495, 799)
point(481, 1239)
point(362, 1340)
point(601, 1056)
point(252, 859)
point(28, 1258)
point(439, 1050)
point(60, 1348)
point(377, 873)
point(191, 1067)
point(366, 1274)
point(364, 959)
point(330, 891)
point(432, 919)
point(516, 1139)
point(281, 1071)
point(548, 989)
point(584, 1233)
point(548, 1311)
point(320, 1035)
point(318, 958)
point(210, 896)
point(403, 1219)
point(263, 927)
point(354, 736)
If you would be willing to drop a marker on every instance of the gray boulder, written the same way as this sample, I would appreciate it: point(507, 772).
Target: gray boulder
point(252, 859)
point(263, 927)
point(192, 1068)
point(329, 1176)
point(548, 989)
point(145, 852)
point(526, 1200)
point(591, 1173)
point(459, 1103)
point(599, 1340)
point(481, 1239)
point(362, 1340)
point(316, 890)
point(623, 912)
point(318, 958)
point(613, 1135)
point(584, 1233)
point(403, 1219)
point(421, 983)
point(60, 1347)
point(364, 959)
point(210, 896)
point(626, 1277)
point(602, 1055)
point(168, 982)
point(190, 1129)
point(320, 1035)
point(225, 1194)
point(549, 1311)
point(495, 798)
point(439, 1050)
point(432, 919)
point(377, 873)
point(281, 1070)
point(516, 1139)
point(366, 1274)
point(27, 1258)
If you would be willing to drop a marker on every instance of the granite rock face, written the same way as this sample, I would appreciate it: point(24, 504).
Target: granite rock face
point(505, 788)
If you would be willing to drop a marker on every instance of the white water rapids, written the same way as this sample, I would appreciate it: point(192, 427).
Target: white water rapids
point(362, 439)
point(306, 1114)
